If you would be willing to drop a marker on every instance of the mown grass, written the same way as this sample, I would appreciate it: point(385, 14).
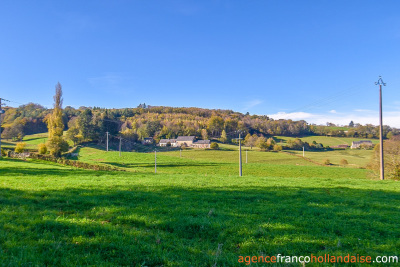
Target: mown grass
point(325, 140)
point(357, 158)
point(53, 215)
point(211, 162)
point(31, 141)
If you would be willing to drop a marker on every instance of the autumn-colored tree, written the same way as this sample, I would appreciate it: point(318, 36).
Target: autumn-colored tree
point(216, 125)
point(74, 135)
point(224, 137)
point(391, 150)
point(250, 140)
point(42, 149)
point(56, 143)
point(262, 143)
point(20, 147)
point(204, 134)
point(270, 143)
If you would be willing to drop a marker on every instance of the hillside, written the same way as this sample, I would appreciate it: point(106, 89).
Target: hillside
point(92, 123)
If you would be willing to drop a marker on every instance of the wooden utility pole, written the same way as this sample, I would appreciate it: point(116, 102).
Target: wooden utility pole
point(240, 154)
point(120, 146)
point(155, 161)
point(107, 141)
point(1, 112)
point(382, 166)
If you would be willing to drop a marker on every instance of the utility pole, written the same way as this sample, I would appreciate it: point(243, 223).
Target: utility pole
point(240, 154)
point(120, 146)
point(1, 112)
point(303, 151)
point(155, 161)
point(380, 83)
point(107, 141)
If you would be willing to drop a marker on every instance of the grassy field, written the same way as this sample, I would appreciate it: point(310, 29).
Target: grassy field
point(31, 141)
point(325, 140)
point(211, 162)
point(357, 158)
point(196, 211)
point(54, 215)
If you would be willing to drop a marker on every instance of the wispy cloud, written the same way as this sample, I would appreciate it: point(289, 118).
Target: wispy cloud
point(111, 82)
point(251, 104)
point(365, 110)
point(333, 111)
point(74, 24)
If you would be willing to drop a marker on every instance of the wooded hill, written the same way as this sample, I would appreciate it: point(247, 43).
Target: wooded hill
point(91, 123)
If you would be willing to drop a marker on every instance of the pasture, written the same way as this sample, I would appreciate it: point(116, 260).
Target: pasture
point(195, 211)
point(325, 140)
point(31, 141)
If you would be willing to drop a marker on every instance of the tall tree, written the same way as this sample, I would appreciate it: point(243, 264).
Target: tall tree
point(204, 134)
point(224, 137)
point(55, 125)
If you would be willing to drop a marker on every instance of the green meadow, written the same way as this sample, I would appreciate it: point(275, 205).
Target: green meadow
point(196, 211)
point(31, 141)
point(325, 140)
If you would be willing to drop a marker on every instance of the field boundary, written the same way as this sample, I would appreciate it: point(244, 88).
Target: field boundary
point(305, 158)
point(65, 161)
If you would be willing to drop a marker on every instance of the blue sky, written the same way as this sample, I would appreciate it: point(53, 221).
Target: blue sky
point(312, 60)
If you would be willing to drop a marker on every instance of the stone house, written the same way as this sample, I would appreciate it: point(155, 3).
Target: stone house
point(357, 144)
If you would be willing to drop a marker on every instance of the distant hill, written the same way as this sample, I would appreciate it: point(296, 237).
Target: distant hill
point(91, 123)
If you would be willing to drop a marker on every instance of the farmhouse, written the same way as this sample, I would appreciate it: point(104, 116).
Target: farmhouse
point(185, 140)
point(188, 141)
point(147, 140)
point(202, 144)
point(164, 142)
point(357, 144)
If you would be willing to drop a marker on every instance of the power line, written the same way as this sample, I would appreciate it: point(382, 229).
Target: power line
point(332, 98)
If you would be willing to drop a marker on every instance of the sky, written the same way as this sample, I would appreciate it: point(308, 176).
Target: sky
point(313, 60)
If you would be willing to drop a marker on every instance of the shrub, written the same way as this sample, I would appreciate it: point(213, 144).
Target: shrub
point(3, 153)
point(344, 162)
point(327, 162)
point(277, 148)
point(42, 149)
point(214, 145)
point(20, 147)
point(57, 145)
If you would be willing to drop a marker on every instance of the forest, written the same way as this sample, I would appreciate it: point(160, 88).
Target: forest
point(85, 124)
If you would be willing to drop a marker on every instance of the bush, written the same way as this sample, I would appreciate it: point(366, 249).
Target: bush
point(277, 148)
point(327, 162)
point(42, 149)
point(20, 147)
point(3, 153)
point(214, 145)
point(57, 145)
point(344, 162)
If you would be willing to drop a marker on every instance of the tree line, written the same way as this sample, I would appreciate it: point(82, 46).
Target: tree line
point(91, 123)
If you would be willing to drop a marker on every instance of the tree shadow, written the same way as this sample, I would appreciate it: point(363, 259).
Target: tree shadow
point(177, 225)
point(165, 164)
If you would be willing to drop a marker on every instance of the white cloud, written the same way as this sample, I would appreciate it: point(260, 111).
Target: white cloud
point(333, 111)
point(391, 118)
